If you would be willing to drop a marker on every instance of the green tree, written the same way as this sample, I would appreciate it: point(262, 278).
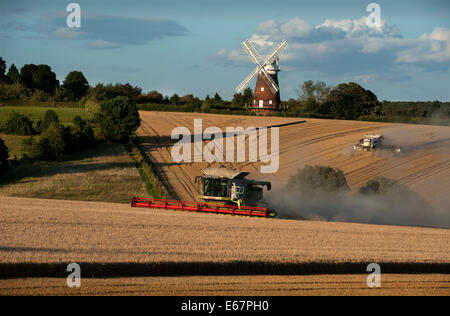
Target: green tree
point(18, 124)
point(50, 118)
point(155, 97)
point(13, 74)
point(247, 96)
point(2, 68)
point(83, 133)
point(238, 100)
point(318, 91)
point(243, 99)
point(118, 118)
point(51, 144)
point(76, 84)
point(175, 99)
point(26, 75)
point(4, 155)
point(318, 179)
point(151, 97)
point(103, 92)
point(45, 79)
point(217, 99)
point(13, 91)
point(310, 105)
point(39, 77)
point(61, 94)
point(350, 101)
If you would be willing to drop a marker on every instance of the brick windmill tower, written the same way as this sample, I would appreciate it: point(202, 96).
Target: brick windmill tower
point(266, 98)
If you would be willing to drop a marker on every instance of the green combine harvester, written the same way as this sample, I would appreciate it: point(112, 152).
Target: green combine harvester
point(229, 186)
point(224, 191)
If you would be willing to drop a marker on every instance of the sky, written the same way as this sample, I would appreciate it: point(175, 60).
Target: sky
point(182, 46)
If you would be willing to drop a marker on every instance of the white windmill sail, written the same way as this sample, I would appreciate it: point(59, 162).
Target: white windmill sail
point(247, 80)
point(252, 52)
point(260, 68)
point(275, 53)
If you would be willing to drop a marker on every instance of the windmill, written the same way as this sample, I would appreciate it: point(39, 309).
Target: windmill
point(266, 98)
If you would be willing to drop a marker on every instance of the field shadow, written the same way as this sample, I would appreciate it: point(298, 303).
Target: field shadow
point(149, 143)
point(130, 269)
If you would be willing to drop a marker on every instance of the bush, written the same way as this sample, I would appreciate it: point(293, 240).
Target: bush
point(118, 118)
point(18, 124)
point(58, 140)
point(103, 92)
point(39, 95)
point(4, 155)
point(50, 118)
point(381, 185)
point(14, 91)
point(318, 179)
point(51, 145)
point(83, 133)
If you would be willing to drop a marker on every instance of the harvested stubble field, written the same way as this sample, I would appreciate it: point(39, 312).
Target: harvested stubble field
point(142, 248)
point(423, 166)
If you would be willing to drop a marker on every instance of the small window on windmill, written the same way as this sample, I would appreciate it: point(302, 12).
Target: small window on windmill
point(270, 101)
point(261, 103)
point(262, 88)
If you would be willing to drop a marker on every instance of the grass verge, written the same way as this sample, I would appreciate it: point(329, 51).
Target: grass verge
point(154, 187)
point(164, 188)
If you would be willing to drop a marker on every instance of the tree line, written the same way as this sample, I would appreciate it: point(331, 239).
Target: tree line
point(38, 82)
point(348, 101)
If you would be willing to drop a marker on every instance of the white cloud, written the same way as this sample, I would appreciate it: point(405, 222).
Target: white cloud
point(346, 47)
point(359, 28)
point(434, 47)
point(296, 28)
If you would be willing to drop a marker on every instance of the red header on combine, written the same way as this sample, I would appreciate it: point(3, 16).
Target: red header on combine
point(202, 207)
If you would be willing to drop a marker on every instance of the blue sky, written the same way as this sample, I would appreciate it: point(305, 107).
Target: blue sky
point(195, 46)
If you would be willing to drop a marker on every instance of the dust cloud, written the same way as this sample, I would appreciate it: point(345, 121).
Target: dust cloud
point(402, 207)
point(410, 139)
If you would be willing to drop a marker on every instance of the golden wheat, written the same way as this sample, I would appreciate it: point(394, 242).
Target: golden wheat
point(52, 231)
point(267, 285)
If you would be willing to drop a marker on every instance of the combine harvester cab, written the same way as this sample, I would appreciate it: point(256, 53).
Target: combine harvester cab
point(229, 186)
point(372, 142)
point(369, 142)
point(225, 191)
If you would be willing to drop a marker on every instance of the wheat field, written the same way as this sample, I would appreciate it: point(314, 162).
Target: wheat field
point(267, 285)
point(127, 251)
point(56, 231)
